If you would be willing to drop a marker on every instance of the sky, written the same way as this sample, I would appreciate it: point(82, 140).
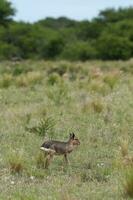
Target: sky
point(34, 10)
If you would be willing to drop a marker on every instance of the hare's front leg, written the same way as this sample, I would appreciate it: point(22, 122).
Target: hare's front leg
point(66, 159)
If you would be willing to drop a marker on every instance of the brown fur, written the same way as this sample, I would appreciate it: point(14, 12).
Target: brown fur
point(53, 147)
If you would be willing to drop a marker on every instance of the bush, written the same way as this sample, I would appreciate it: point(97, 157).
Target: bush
point(98, 86)
point(59, 94)
point(6, 80)
point(128, 186)
point(16, 162)
point(79, 51)
point(53, 79)
point(40, 160)
point(97, 106)
point(114, 47)
point(44, 127)
point(111, 79)
point(7, 51)
point(30, 78)
point(61, 69)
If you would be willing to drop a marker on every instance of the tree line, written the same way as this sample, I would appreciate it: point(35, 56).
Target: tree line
point(109, 36)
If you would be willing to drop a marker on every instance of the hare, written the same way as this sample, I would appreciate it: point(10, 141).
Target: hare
point(53, 147)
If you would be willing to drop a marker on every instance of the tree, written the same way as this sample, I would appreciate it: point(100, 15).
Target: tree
point(79, 50)
point(8, 51)
point(112, 16)
point(6, 12)
point(112, 47)
point(59, 23)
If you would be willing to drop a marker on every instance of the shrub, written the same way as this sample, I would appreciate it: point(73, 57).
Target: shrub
point(16, 162)
point(21, 81)
point(40, 161)
point(7, 51)
point(44, 127)
point(19, 69)
point(34, 77)
point(79, 51)
point(97, 106)
point(98, 87)
point(53, 79)
point(59, 94)
point(112, 47)
point(124, 148)
point(111, 79)
point(30, 78)
point(128, 185)
point(6, 80)
point(60, 69)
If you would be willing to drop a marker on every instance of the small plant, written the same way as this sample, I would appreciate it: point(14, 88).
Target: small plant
point(59, 94)
point(23, 196)
point(53, 79)
point(6, 80)
point(128, 186)
point(44, 127)
point(96, 73)
point(40, 161)
point(39, 173)
point(98, 87)
point(30, 78)
point(16, 163)
point(25, 120)
point(86, 176)
point(111, 79)
point(65, 195)
point(20, 69)
point(60, 69)
point(124, 148)
point(34, 77)
point(97, 106)
point(86, 107)
point(21, 81)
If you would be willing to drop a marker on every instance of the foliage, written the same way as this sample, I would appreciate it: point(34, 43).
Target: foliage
point(113, 47)
point(44, 127)
point(6, 12)
point(16, 162)
point(109, 36)
point(79, 50)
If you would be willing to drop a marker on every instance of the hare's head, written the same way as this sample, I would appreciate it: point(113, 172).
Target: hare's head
point(73, 140)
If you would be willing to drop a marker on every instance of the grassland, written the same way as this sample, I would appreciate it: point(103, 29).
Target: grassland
point(41, 100)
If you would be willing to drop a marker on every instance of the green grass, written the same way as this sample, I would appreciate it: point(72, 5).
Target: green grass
point(41, 100)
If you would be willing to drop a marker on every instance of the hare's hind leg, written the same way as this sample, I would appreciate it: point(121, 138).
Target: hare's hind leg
point(48, 160)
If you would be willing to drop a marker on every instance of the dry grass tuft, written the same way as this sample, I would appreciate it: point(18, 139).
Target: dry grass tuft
point(16, 163)
point(6, 80)
point(30, 78)
point(99, 87)
point(124, 147)
point(97, 105)
point(111, 78)
point(128, 185)
point(40, 160)
point(53, 79)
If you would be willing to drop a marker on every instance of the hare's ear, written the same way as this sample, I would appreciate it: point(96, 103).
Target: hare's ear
point(72, 135)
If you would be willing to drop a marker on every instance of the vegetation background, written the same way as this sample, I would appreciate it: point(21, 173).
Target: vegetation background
point(108, 36)
point(41, 100)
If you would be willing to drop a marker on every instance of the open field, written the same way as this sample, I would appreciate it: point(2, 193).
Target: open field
point(41, 100)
